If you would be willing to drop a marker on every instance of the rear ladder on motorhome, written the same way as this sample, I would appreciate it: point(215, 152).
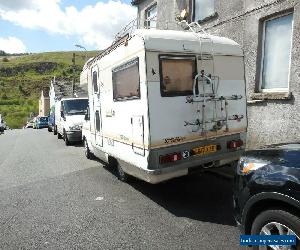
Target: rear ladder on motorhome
point(208, 79)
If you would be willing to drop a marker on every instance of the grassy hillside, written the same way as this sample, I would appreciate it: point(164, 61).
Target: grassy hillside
point(23, 77)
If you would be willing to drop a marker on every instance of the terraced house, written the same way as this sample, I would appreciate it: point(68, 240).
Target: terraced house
point(269, 33)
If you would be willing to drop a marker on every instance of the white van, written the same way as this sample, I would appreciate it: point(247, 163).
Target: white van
point(69, 116)
point(162, 104)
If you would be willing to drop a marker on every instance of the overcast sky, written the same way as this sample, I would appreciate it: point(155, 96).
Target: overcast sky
point(57, 25)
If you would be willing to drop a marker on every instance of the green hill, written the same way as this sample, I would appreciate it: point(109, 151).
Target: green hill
point(22, 78)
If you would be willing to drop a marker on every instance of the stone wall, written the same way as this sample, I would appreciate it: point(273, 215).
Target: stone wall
point(272, 118)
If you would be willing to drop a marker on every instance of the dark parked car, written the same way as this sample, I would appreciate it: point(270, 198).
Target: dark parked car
point(42, 122)
point(51, 122)
point(267, 191)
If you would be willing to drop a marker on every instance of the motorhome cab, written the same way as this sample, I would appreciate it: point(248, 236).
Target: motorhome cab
point(69, 117)
point(162, 103)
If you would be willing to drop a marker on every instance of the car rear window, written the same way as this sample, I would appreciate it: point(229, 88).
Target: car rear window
point(43, 119)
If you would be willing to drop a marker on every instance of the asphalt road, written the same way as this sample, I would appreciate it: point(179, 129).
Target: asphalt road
point(51, 197)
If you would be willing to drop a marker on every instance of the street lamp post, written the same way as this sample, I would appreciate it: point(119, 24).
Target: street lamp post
point(81, 47)
point(74, 75)
point(73, 60)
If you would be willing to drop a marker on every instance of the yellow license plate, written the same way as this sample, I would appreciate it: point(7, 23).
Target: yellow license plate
point(204, 150)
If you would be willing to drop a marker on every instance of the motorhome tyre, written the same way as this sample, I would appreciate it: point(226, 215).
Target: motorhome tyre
point(87, 151)
point(122, 176)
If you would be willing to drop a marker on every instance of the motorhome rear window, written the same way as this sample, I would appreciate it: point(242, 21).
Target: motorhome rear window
point(177, 75)
point(126, 81)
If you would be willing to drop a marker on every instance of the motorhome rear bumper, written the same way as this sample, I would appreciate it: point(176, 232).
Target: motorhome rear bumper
point(163, 174)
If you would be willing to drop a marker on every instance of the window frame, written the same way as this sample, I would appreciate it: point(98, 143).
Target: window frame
point(162, 57)
point(193, 8)
point(147, 23)
point(271, 90)
point(122, 67)
point(96, 124)
point(95, 70)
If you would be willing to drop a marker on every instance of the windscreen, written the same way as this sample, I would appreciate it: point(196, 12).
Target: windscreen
point(75, 107)
point(44, 119)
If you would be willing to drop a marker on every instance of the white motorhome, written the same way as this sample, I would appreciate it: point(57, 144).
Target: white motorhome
point(163, 103)
point(69, 117)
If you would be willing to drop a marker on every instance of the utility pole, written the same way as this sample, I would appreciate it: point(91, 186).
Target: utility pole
point(73, 85)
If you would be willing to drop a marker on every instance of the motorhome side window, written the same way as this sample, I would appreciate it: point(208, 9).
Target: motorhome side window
point(126, 81)
point(177, 75)
point(97, 121)
point(95, 84)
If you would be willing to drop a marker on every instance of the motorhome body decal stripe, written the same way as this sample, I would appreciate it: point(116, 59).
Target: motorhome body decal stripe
point(186, 139)
point(198, 137)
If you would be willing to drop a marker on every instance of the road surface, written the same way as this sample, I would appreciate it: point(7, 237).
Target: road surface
point(51, 197)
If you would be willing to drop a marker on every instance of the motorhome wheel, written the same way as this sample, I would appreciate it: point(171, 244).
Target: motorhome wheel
point(87, 151)
point(122, 176)
point(59, 136)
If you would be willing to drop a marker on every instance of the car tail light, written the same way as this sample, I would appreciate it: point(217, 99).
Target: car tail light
point(234, 144)
point(170, 158)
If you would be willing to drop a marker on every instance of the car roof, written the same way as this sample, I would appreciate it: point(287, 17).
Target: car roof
point(268, 149)
point(283, 146)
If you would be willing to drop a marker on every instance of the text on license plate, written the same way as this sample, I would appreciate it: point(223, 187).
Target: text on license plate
point(204, 150)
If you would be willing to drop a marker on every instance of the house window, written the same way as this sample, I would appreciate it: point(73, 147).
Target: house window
point(95, 85)
point(276, 53)
point(126, 81)
point(150, 16)
point(203, 9)
point(177, 75)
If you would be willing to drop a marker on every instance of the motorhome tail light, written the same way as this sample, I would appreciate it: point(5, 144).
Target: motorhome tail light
point(170, 158)
point(234, 144)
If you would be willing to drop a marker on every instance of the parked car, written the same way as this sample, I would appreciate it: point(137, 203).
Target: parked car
point(34, 122)
point(42, 122)
point(2, 124)
point(267, 191)
point(69, 117)
point(51, 122)
point(29, 124)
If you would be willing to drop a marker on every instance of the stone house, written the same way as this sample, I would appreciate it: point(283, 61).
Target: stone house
point(44, 102)
point(269, 33)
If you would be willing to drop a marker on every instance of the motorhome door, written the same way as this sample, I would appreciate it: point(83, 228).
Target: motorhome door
point(97, 107)
point(138, 135)
point(98, 128)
